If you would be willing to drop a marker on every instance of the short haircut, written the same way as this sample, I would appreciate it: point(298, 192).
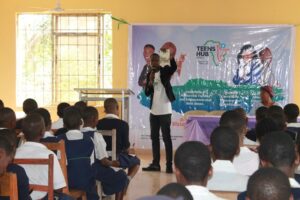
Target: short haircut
point(154, 55)
point(80, 105)
point(261, 113)
point(29, 105)
point(278, 149)
point(61, 107)
point(110, 104)
point(33, 127)
point(6, 115)
point(234, 120)
point(45, 115)
point(89, 113)
point(175, 190)
point(224, 142)
point(265, 126)
point(277, 114)
point(291, 112)
point(6, 145)
point(1, 104)
point(193, 161)
point(72, 118)
point(11, 135)
point(268, 184)
point(149, 46)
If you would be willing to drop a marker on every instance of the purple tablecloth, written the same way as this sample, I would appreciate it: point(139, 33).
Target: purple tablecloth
point(199, 128)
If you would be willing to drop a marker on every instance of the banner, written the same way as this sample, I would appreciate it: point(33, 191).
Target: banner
point(220, 67)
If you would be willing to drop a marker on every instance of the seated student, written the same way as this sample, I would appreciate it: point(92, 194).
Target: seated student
point(225, 145)
point(29, 105)
point(291, 112)
point(112, 121)
point(268, 184)
point(1, 104)
point(247, 161)
point(260, 114)
point(33, 128)
point(22, 179)
point(7, 118)
point(264, 127)
point(60, 113)
point(193, 168)
point(175, 190)
point(277, 150)
point(48, 136)
point(82, 168)
point(80, 105)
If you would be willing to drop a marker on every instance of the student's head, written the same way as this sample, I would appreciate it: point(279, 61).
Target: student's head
point(277, 114)
point(192, 163)
point(175, 190)
point(264, 127)
point(46, 117)
point(291, 112)
point(155, 59)
point(268, 184)
point(277, 149)
point(29, 105)
point(90, 116)
point(7, 118)
point(60, 109)
point(261, 113)
point(235, 121)
point(111, 106)
point(33, 127)
point(11, 135)
point(72, 118)
point(148, 51)
point(6, 153)
point(1, 104)
point(80, 105)
point(225, 143)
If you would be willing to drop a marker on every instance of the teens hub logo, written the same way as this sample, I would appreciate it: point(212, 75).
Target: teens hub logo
point(211, 50)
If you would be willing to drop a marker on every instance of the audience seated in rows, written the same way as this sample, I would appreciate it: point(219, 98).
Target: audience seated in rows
point(60, 113)
point(29, 105)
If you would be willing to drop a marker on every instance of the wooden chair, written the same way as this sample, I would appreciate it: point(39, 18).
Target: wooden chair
point(36, 161)
point(8, 186)
point(60, 148)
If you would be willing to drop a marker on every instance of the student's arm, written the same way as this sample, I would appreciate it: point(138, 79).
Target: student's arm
point(125, 137)
point(171, 69)
point(108, 163)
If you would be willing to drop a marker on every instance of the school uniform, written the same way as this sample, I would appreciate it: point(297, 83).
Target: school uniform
point(38, 174)
point(224, 172)
point(109, 122)
point(199, 192)
point(57, 124)
point(247, 162)
point(49, 137)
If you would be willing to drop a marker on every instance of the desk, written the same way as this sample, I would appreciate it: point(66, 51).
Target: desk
point(199, 127)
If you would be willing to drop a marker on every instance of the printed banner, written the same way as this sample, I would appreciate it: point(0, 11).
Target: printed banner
point(219, 68)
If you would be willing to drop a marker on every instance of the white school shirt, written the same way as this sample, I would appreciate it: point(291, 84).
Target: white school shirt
point(201, 193)
point(57, 124)
point(48, 134)
point(247, 162)
point(294, 183)
point(38, 174)
point(78, 135)
point(99, 143)
point(226, 178)
point(161, 104)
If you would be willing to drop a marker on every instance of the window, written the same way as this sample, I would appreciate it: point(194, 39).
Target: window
point(59, 52)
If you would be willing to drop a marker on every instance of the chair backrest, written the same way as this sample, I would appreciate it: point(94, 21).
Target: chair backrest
point(226, 195)
point(113, 134)
point(37, 161)
point(8, 186)
point(60, 149)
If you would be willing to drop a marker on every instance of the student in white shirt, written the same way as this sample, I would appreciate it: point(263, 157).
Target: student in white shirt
point(268, 184)
point(291, 112)
point(60, 113)
point(246, 162)
point(33, 129)
point(192, 169)
point(225, 145)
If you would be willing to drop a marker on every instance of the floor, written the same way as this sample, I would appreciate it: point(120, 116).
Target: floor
point(148, 183)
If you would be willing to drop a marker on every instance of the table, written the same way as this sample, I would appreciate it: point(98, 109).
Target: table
point(200, 127)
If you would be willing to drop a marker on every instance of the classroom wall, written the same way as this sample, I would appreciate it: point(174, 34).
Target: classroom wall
point(142, 11)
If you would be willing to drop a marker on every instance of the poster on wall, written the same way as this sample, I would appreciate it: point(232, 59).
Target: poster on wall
point(220, 67)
